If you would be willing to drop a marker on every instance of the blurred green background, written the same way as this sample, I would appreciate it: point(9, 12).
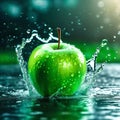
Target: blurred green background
point(84, 23)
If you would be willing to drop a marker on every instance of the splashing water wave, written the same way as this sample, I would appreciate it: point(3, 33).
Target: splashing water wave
point(92, 67)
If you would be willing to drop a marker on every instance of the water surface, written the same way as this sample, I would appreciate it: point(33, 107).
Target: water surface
point(101, 103)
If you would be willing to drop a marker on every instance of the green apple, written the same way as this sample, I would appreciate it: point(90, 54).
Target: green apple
point(54, 70)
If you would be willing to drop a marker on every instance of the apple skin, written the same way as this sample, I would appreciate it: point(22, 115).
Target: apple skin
point(54, 70)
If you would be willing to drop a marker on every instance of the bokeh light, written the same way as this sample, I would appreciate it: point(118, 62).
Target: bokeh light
point(79, 19)
point(42, 5)
point(12, 9)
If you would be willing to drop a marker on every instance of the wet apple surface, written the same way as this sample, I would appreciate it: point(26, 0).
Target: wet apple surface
point(54, 70)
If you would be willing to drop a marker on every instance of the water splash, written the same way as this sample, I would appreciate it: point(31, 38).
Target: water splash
point(22, 62)
point(92, 68)
point(91, 63)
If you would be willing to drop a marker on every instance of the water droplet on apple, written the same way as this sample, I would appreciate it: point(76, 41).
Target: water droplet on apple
point(47, 56)
point(53, 57)
point(48, 68)
point(78, 72)
point(72, 75)
point(80, 65)
point(75, 63)
point(115, 58)
point(79, 76)
point(38, 64)
point(109, 55)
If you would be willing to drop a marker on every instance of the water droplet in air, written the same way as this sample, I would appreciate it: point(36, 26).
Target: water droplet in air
point(114, 40)
point(78, 20)
point(100, 4)
point(45, 25)
point(44, 31)
point(64, 28)
point(14, 36)
point(84, 29)
point(16, 29)
point(97, 16)
point(118, 32)
point(71, 22)
point(104, 42)
point(68, 34)
point(114, 36)
point(58, 10)
point(4, 23)
point(28, 31)
point(50, 28)
point(69, 14)
point(79, 23)
point(101, 27)
point(32, 17)
point(18, 101)
point(72, 29)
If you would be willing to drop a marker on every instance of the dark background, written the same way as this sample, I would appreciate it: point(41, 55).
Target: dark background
point(86, 21)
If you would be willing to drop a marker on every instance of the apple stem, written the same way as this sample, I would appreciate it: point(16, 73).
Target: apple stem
point(59, 36)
